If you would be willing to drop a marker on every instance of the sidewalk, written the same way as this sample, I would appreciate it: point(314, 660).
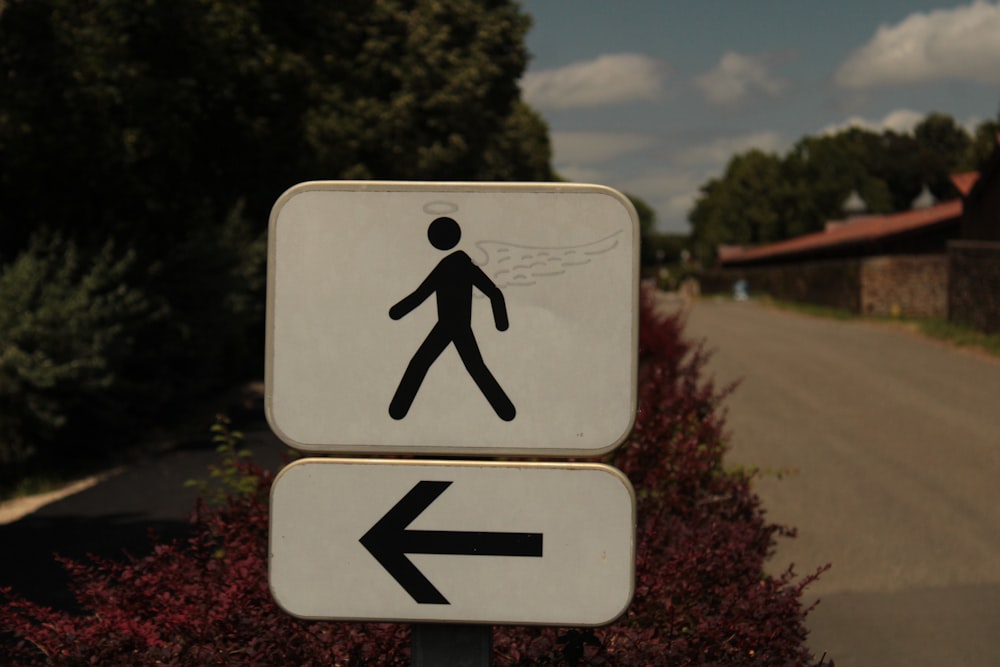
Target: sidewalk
point(112, 514)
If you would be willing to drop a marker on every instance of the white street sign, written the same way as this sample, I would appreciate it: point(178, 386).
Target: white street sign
point(496, 543)
point(475, 318)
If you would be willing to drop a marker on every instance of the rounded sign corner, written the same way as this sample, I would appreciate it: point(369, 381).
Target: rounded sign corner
point(623, 438)
point(278, 601)
point(609, 620)
point(624, 200)
point(279, 432)
point(287, 196)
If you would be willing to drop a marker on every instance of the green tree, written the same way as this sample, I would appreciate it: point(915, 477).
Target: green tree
point(944, 145)
point(744, 207)
point(171, 113)
point(708, 226)
point(67, 328)
point(521, 151)
point(982, 144)
point(829, 167)
point(169, 127)
point(646, 213)
point(647, 227)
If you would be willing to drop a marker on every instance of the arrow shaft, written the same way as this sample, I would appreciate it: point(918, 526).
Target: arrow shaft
point(389, 541)
point(472, 543)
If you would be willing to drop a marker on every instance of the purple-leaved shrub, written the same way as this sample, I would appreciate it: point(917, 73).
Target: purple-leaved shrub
point(702, 597)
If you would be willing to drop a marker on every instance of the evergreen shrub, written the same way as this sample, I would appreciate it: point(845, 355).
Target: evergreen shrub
point(98, 342)
point(68, 323)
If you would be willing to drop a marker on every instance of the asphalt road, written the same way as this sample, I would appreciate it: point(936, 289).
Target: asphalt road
point(892, 443)
point(117, 514)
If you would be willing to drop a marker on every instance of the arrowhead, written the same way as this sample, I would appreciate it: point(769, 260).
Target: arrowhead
point(389, 541)
point(386, 541)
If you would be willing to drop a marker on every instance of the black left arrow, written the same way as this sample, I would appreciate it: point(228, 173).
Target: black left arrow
point(389, 541)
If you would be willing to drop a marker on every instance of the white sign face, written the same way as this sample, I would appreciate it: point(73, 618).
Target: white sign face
point(497, 543)
point(452, 318)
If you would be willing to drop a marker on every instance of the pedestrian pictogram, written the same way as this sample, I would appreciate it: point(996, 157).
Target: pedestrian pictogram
point(452, 282)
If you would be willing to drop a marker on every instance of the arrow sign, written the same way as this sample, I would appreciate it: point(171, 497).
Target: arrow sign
point(389, 541)
point(394, 540)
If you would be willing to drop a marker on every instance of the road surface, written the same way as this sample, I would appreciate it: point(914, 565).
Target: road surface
point(115, 515)
point(893, 443)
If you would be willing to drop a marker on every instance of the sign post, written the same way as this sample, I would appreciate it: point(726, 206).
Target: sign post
point(453, 645)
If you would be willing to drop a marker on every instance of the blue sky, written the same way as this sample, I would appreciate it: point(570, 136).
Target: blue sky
point(652, 97)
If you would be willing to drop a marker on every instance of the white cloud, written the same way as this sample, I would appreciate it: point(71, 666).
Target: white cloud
point(578, 156)
point(718, 152)
point(960, 43)
point(594, 147)
point(671, 192)
point(609, 79)
point(736, 77)
point(900, 120)
point(667, 181)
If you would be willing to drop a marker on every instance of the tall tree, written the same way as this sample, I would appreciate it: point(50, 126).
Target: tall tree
point(171, 112)
point(647, 225)
point(943, 145)
point(982, 144)
point(743, 207)
point(166, 129)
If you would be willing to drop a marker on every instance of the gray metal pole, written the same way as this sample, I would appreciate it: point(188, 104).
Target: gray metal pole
point(451, 645)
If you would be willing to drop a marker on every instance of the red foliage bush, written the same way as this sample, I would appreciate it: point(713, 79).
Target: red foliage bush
point(701, 595)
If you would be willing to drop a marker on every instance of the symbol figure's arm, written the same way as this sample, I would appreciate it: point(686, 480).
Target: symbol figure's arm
point(487, 287)
point(413, 299)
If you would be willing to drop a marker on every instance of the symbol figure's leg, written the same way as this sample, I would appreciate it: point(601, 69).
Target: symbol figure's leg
point(426, 354)
point(468, 350)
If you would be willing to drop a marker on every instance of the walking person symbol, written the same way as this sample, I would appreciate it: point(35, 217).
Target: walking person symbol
point(451, 281)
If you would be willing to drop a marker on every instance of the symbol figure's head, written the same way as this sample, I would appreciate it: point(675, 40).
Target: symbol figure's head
point(444, 233)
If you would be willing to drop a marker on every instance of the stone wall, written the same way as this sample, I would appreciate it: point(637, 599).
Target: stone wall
point(962, 286)
point(907, 285)
point(974, 284)
point(833, 283)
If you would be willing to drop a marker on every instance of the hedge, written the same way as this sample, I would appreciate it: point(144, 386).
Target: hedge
point(702, 596)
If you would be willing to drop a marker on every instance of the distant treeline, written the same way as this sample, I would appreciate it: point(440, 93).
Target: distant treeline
point(143, 144)
point(763, 197)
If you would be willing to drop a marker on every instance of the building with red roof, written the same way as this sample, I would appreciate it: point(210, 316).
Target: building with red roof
point(917, 231)
point(936, 260)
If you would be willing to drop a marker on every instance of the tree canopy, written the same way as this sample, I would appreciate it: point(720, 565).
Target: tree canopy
point(164, 130)
point(148, 119)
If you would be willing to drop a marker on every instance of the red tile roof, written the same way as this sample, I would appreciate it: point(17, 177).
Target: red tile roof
point(964, 182)
point(861, 230)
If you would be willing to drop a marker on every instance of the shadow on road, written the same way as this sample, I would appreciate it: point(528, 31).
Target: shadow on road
point(31, 544)
point(117, 516)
